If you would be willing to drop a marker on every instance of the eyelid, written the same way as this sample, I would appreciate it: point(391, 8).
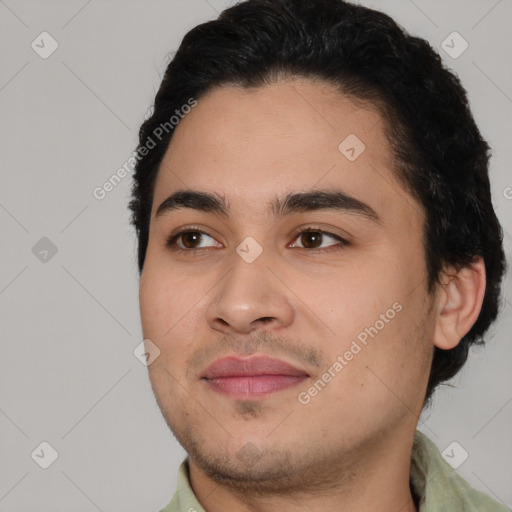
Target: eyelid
point(342, 241)
point(323, 229)
point(184, 229)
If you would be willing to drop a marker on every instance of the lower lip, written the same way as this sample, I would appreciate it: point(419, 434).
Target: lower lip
point(255, 386)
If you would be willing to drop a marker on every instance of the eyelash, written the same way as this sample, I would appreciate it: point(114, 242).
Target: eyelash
point(171, 241)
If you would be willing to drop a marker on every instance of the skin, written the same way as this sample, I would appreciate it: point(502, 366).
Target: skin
point(351, 444)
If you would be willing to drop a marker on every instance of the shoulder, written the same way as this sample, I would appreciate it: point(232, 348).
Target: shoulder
point(439, 487)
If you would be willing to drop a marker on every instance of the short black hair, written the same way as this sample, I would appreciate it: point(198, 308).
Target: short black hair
point(440, 156)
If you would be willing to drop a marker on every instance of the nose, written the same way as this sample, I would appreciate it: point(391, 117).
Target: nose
point(248, 297)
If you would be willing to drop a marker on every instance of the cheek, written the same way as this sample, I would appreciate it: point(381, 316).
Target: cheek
point(374, 321)
point(153, 302)
point(172, 314)
point(164, 297)
point(349, 298)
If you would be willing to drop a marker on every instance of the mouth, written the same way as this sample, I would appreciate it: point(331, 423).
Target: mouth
point(252, 378)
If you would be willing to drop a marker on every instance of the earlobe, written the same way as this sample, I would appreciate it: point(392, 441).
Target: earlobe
point(460, 301)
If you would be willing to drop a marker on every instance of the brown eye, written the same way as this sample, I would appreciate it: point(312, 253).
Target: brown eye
point(189, 240)
point(315, 238)
point(311, 239)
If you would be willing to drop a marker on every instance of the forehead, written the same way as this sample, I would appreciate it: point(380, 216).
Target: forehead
point(290, 136)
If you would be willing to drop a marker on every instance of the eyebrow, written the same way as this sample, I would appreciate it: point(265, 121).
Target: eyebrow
point(312, 200)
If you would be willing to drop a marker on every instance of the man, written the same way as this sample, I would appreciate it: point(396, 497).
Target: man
point(318, 251)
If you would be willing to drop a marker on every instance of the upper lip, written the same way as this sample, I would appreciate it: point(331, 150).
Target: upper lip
point(233, 366)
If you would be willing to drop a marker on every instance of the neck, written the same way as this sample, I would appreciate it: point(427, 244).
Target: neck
point(374, 478)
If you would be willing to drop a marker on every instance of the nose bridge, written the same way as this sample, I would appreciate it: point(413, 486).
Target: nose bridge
point(249, 292)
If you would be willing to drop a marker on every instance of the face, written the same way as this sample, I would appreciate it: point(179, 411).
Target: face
point(334, 285)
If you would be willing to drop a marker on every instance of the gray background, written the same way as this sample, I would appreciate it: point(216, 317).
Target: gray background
point(70, 320)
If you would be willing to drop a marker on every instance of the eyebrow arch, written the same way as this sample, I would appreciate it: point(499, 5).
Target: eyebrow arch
point(312, 200)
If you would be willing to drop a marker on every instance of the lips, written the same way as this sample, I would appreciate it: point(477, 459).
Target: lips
point(251, 378)
point(250, 367)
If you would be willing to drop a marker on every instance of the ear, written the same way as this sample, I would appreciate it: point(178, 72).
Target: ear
point(460, 299)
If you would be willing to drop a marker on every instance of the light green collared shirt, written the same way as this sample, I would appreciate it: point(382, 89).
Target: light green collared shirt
point(437, 484)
